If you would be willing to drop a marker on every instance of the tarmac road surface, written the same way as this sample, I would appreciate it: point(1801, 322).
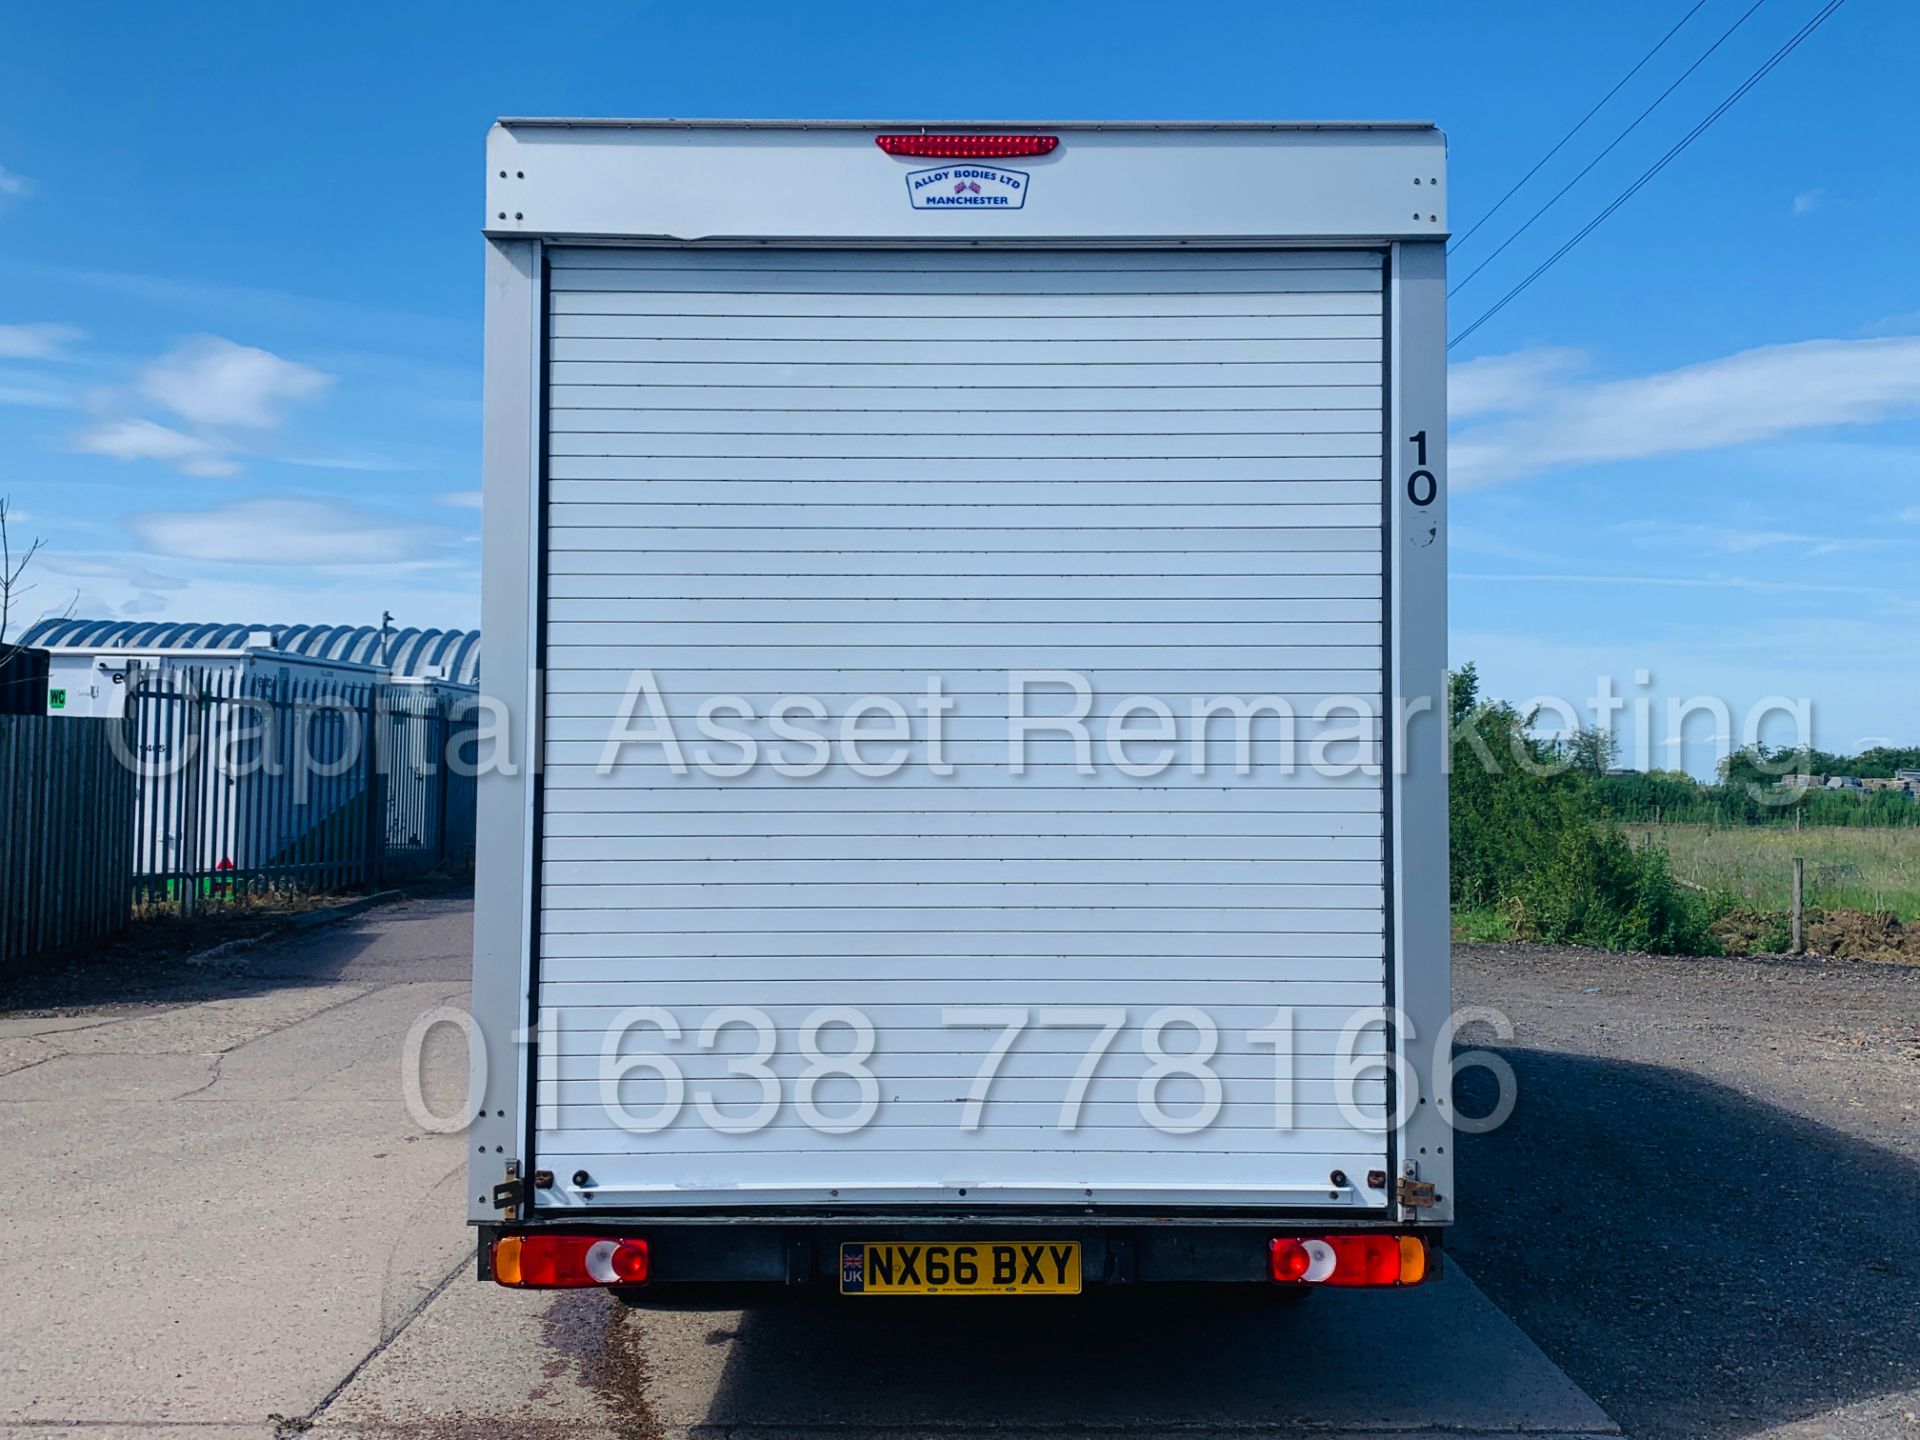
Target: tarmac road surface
point(1700, 1211)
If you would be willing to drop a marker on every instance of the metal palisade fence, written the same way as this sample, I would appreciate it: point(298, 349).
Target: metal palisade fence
point(252, 784)
point(66, 834)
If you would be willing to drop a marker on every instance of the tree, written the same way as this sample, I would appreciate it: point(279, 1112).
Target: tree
point(1592, 749)
point(1463, 694)
point(12, 588)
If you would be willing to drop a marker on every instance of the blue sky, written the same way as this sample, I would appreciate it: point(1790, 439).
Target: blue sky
point(240, 297)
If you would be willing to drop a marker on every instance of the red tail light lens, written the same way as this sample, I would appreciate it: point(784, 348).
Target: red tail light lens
point(1365, 1260)
point(967, 147)
point(1288, 1261)
point(560, 1262)
point(1348, 1260)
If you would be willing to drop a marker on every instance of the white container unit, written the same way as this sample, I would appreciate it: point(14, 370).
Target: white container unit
point(93, 680)
point(1148, 416)
point(220, 812)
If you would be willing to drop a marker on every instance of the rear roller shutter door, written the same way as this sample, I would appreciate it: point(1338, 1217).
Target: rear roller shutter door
point(834, 474)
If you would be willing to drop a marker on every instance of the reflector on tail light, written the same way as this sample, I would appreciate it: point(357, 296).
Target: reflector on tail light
point(967, 147)
point(559, 1262)
point(1413, 1259)
point(1347, 1260)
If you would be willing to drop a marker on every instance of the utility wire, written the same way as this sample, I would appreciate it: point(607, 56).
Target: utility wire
point(1578, 127)
point(1698, 130)
point(1725, 36)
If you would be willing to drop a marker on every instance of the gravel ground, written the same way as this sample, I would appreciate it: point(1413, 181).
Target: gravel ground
point(1706, 1205)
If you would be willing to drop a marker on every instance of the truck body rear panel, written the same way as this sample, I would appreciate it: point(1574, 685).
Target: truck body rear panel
point(1021, 521)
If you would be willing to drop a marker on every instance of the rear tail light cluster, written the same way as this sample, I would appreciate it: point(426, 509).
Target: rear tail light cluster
point(560, 1262)
point(1355, 1260)
point(967, 147)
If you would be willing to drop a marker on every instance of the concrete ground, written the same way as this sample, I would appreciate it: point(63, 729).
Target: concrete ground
point(231, 1227)
point(222, 1206)
point(1441, 1361)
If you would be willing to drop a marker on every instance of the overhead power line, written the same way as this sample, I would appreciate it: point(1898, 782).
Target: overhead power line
point(1725, 105)
point(1578, 127)
point(1527, 224)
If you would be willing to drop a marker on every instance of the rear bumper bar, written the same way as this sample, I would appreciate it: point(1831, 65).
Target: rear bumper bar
point(793, 1253)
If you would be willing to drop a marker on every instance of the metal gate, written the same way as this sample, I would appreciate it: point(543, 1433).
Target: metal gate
point(249, 783)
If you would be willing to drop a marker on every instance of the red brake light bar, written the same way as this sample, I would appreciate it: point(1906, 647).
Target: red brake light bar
point(967, 147)
point(1359, 1260)
point(560, 1262)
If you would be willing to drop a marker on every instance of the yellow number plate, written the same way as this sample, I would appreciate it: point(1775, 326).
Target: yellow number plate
point(960, 1267)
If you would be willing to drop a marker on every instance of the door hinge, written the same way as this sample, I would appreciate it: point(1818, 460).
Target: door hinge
point(1414, 1194)
point(510, 1194)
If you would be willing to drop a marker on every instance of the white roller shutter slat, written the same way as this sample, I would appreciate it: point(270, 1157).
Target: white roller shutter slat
point(601, 870)
point(960, 445)
point(981, 539)
point(908, 375)
point(988, 777)
point(956, 263)
point(844, 305)
point(1012, 408)
point(1165, 285)
point(785, 519)
point(984, 610)
point(838, 473)
point(979, 920)
point(1170, 590)
point(1114, 651)
point(1172, 952)
point(1282, 565)
point(877, 836)
point(1137, 976)
point(914, 329)
point(1120, 434)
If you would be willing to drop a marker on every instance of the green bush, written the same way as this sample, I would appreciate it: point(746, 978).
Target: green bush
point(1676, 799)
point(1530, 838)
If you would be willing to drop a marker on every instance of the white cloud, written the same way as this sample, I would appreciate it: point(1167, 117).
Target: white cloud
point(149, 440)
point(33, 393)
point(286, 531)
point(105, 584)
point(211, 381)
point(217, 387)
point(87, 568)
point(14, 186)
point(1671, 582)
point(460, 499)
point(369, 464)
point(36, 342)
point(1911, 515)
point(1740, 540)
point(1808, 201)
point(1501, 384)
point(1904, 323)
point(1751, 396)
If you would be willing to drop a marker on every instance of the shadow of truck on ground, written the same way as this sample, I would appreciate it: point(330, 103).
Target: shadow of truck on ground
point(1702, 1263)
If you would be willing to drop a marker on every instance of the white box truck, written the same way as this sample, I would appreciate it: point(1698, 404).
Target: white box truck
point(965, 611)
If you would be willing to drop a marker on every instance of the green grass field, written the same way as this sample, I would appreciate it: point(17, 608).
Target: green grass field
point(1847, 868)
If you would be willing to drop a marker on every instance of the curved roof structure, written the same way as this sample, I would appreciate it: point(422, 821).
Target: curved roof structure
point(409, 652)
